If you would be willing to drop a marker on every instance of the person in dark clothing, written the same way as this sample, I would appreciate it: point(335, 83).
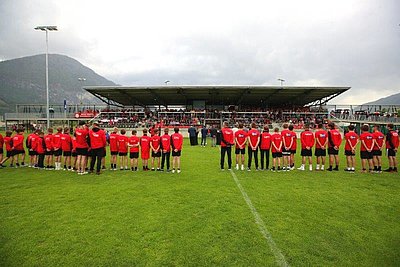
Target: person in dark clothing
point(204, 133)
point(213, 134)
point(192, 135)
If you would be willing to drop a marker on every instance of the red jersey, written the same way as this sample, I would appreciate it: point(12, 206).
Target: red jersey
point(177, 141)
point(368, 139)
point(145, 143)
point(379, 138)
point(1, 142)
point(228, 137)
point(81, 138)
point(320, 137)
point(97, 138)
point(73, 142)
point(48, 141)
point(392, 140)
point(134, 144)
point(29, 141)
point(57, 141)
point(265, 143)
point(276, 142)
point(240, 137)
point(166, 142)
point(351, 140)
point(113, 140)
point(38, 145)
point(8, 143)
point(66, 142)
point(334, 138)
point(307, 139)
point(287, 138)
point(294, 144)
point(122, 144)
point(155, 142)
point(18, 142)
point(254, 137)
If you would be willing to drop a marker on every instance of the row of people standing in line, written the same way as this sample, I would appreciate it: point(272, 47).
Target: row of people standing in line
point(283, 147)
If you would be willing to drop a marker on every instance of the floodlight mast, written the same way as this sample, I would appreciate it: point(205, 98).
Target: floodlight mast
point(47, 29)
point(281, 81)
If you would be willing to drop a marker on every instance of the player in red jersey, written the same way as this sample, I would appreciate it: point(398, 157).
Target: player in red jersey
point(155, 145)
point(366, 147)
point(1, 149)
point(350, 148)
point(57, 148)
point(145, 141)
point(74, 156)
point(392, 144)
point(253, 140)
point(287, 142)
point(227, 141)
point(133, 145)
point(40, 148)
point(98, 143)
point(276, 149)
point(18, 147)
point(123, 150)
point(10, 153)
point(379, 139)
point(307, 142)
point(30, 140)
point(334, 141)
point(48, 158)
point(113, 141)
point(66, 147)
point(240, 146)
point(176, 144)
point(166, 149)
point(265, 146)
point(82, 147)
point(321, 142)
point(293, 148)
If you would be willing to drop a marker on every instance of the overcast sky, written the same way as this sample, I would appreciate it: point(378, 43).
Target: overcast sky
point(310, 42)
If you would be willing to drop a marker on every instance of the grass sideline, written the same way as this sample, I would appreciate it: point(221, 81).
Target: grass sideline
point(198, 217)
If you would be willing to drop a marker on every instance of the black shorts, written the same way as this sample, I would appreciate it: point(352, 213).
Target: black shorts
point(285, 152)
point(240, 151)
point(17, 152)
point(292, 151)
point(332, 151)
point(122, 154)
point(176, 154)
point(134, 155)
point(58, 152)
point(391, 153)
point(49, 153)
point(349, 153)
point(81, 151)
point(377, 152)
point(114, 153)
point(366, 155)
point(306, 152)
point(10, 153)
point(320, 152)
point(32, 153)
point(1, 150)
point(156, 155)
point(73, 154)
point(276, 154)
point(67, 153)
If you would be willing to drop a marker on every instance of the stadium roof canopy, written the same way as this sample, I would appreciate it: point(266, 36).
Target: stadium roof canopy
point(244, 95)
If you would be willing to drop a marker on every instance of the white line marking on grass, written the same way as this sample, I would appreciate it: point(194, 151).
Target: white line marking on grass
point(279, 257)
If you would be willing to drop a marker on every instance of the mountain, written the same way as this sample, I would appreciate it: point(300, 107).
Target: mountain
point(23, 81)
point(389, 100)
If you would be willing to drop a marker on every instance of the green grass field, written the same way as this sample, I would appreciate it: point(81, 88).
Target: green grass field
point(198, 217)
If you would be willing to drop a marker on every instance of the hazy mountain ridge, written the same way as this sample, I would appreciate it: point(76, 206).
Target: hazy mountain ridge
point(389, 100)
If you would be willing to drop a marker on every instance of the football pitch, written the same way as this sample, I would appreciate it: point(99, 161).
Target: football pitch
point(200, 217)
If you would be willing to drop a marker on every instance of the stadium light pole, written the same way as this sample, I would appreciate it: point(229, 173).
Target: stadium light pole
point(81, 80)
point(166, 82)
point(281, 80)
point(47, 29)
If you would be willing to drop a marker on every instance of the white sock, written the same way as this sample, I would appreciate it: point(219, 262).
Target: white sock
point(317, 167)
point(310, 167)
point(322, 167)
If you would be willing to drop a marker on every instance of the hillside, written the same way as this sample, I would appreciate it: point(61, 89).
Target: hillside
point(22, 80)
point(389, 100)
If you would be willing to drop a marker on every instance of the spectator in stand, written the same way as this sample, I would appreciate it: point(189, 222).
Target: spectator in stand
point(145, 149)
point(227, 141)
point(366, 147)
point(265, 145)
point(18, 147)
point(82, 147)
point(192, 135)
point(166, 149)
point(276, 149)
point(133, 144)
point(98, 142)
point(334, 141)
point(57, 148)
point(240, 146)
point(204, 133)
point(213, 134)
point(392, 144)
point(379, 139)
point(9, 151)
point(253, 140)
point(155, 146)
point(113, 142)
point(177, 144)
point(123, 150)
point(293, 147)
point(49, 153)
point(350, 148)
point(287, 142)
point(307, 143)
point(321, 142)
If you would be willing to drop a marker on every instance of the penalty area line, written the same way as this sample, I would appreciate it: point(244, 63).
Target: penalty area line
point(279, 257)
